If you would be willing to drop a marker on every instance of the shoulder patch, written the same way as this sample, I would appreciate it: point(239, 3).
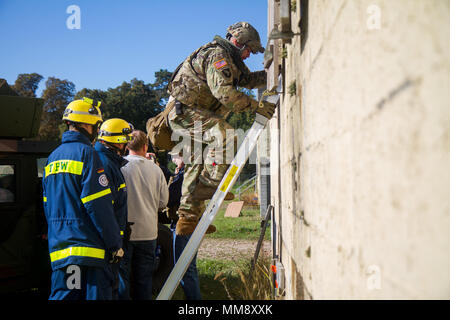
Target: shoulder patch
point(103, 180)
point(220, 64)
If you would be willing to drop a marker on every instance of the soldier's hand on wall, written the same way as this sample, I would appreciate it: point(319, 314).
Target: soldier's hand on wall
point(266, 109)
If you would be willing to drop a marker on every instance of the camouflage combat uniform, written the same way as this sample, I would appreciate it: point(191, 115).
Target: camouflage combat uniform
point(206, 84)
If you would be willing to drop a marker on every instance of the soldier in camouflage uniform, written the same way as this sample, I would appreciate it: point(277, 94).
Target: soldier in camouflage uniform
point(203, 92)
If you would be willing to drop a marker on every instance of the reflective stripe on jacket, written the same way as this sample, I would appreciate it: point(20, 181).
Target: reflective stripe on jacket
point(78, 205)
point(112, 164)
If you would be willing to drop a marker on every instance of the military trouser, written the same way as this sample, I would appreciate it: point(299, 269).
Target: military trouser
point(208, 146)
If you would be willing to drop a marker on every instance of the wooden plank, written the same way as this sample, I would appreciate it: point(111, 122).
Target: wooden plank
point(234, 209)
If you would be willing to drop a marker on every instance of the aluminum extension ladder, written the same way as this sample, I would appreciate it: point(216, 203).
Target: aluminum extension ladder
point(208, 216)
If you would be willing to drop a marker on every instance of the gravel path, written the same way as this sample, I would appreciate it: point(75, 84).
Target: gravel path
point(230, 249)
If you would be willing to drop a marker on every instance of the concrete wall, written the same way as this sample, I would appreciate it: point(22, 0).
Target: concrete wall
point(360, 151)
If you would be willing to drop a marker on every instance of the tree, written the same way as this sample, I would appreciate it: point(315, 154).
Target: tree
point(132, 101)
point(26, 84)
point(162, 78)
point(242, 120)
point(57, 95)
point(96, 94)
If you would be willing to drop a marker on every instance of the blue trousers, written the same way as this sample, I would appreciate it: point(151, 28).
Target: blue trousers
point(190, 281)
point(82, 283)
point(139, 260)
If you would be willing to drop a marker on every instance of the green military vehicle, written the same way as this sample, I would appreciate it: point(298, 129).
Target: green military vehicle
point(24, 260)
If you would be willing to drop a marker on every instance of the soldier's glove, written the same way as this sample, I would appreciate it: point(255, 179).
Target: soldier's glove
point(266, 109)
point(116, 256)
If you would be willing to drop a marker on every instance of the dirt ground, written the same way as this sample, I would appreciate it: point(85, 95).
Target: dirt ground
point(231, 249)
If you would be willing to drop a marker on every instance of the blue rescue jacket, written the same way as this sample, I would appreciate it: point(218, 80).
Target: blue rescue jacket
point(112, 163)
point(82, 229)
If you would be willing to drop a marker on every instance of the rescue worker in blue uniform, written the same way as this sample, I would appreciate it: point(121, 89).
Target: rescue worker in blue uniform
point(112, 139)
point(83, 233)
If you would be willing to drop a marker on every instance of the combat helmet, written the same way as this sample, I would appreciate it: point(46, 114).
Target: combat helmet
point(246, 35)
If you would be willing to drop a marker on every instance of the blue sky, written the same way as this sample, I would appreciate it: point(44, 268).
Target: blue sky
point(118, 40)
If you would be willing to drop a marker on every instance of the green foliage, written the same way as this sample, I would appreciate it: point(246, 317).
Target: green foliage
point(26, 84)
point(294, 5)
point(247, 226)
point(284, 53)
point(292, 89)
point(234, 279)
point(57, 95)
point(96, 94)
point(242, 120)
point(133, 101)
point(219, 279)
point(256, 284)
point(162, 78)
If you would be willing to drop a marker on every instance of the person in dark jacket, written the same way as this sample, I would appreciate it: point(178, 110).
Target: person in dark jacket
point(112, 140)
point(83, 234)
point(175, 187)
point(190, 281)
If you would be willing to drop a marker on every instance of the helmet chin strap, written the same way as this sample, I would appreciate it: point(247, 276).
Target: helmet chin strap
point(241, 49)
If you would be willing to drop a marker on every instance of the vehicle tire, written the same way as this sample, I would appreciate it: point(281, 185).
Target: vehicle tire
point(164, 257)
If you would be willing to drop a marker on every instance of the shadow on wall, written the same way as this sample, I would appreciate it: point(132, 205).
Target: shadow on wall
point(303, 24)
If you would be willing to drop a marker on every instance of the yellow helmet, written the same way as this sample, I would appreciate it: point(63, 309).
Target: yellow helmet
point(83, 111)
point(116, 131)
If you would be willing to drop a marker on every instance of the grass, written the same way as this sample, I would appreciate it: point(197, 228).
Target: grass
point(247, 226)
point(213, 288)
point(210, 287)
point(232, 279)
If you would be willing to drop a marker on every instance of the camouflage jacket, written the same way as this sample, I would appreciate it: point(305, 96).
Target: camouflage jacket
point(209, 78)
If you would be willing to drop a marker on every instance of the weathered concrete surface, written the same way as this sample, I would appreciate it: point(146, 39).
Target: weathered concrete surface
point(360, 152)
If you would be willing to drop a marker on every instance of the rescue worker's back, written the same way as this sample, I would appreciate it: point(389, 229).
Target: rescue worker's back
point(82, 228)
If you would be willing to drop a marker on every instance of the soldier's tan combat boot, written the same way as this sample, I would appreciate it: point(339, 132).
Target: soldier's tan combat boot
point(187, 223)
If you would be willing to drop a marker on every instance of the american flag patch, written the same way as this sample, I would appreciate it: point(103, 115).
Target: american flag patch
point(220, 64)
point(101, 170)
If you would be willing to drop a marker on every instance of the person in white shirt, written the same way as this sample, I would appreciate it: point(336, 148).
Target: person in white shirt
point(147, 192)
